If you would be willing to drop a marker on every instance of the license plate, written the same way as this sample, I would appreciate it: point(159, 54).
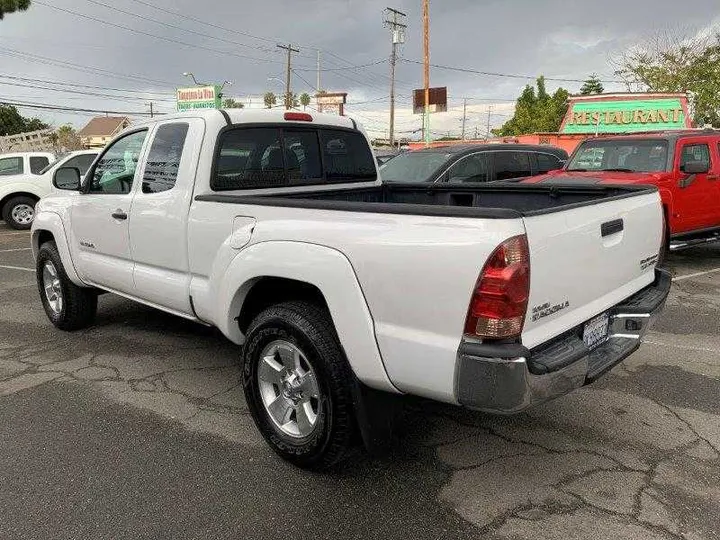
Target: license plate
point(596, 331)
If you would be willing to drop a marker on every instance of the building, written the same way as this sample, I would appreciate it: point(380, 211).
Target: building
point(615, 114)
point(101, 129)
point(605, 114)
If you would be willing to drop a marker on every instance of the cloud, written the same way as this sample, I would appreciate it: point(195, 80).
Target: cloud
point(553, 37)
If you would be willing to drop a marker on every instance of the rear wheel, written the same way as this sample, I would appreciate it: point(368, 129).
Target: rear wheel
point(19, 212)
point(298, 384)
point(68, 306)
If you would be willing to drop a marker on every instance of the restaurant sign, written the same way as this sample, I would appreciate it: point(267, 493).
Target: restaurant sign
point(198, 97)
point(625, 114)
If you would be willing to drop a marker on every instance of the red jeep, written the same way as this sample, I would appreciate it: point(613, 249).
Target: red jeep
point(684, 165)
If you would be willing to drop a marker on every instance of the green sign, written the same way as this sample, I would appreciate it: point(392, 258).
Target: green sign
point(625, 116)
point(198, 97)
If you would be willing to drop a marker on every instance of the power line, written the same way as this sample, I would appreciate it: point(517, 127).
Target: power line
point(80, 92)
point(377, 62)
point(76, 67)
point(77, 85)
point(168, 25)
point(149, 34)
point(43, 106)
point(505, 75)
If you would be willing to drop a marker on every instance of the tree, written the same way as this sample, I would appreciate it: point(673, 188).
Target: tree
point(12, 122)
point(66, 139)
point(592, 86)
point(270, 99)
point(536, 112)
point(290, 100)
point(230, 103)
point(304, 100)
point(671, 62)
point(11, 6)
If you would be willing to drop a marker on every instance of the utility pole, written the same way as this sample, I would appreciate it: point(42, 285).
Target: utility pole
point(464, 117)
point(151, 108)
point(426, 71)
point(476, 133)
point(490, 110)
point(317, 88)
point(288, 95)
point(397, 29)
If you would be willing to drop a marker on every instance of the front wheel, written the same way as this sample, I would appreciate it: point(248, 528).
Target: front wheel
point(298, 385)
point(19, 212)
point(68, 306)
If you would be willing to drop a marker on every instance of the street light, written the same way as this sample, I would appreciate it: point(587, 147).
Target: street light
point(189, 74)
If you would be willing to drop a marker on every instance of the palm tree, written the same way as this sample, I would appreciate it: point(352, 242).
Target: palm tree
point(230, 103)
point(270, 99)
point(304, 100)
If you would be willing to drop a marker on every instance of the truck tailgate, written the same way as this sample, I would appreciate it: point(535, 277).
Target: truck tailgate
point(585, 260)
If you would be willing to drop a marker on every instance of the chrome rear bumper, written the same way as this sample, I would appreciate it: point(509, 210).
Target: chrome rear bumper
point(509, 378)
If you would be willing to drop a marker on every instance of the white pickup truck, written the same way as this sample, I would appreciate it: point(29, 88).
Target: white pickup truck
point(21, 186)
point(275, 228)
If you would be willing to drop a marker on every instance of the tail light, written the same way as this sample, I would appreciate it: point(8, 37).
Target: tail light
point(499, 302)
point(298, 117)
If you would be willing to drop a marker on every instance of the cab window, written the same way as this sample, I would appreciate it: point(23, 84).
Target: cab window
point(11, 165)
point(38, 163)
point(163, 162)
point(81, 162)
point(472, 168)
point(695, 152)
point(115, 171)
point(511, 165)
point(548, 162)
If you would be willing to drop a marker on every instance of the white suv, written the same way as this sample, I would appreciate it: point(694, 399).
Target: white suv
point(20, 192)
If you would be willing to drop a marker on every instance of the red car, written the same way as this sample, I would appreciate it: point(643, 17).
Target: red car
point(684, 165)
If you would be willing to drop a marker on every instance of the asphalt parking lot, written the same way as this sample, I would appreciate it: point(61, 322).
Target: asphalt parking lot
point(137, 428)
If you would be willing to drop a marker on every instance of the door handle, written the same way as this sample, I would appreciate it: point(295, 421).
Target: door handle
point(119, 214)
point(612, 227)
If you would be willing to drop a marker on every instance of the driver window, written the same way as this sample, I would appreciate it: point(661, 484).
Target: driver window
point(695, 152)
point(472, 168)
point(115, 170)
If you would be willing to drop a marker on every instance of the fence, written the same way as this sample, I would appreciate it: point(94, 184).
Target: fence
point(23, 142)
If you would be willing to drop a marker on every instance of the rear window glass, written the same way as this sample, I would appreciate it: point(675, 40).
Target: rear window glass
point(256, 158)
point(511, 165)
point(347, 156)
point(38, 163)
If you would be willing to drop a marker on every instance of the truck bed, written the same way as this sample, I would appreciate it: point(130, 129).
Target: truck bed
point(493, 201)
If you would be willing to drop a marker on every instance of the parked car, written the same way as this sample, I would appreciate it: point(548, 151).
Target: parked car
point(383, 157)
point(342, 290)
point(456, 164)
point(20, 193)
point(19, 163)
point(684, 165)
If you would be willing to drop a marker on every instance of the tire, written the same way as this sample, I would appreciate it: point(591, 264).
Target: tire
point(306, 328)
point(77, 306)
point(19, 212)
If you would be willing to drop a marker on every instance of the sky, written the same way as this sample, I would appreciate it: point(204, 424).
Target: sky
point(119, 55)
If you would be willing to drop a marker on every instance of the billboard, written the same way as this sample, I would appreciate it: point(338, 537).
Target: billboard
point(438, 100)
point(626, 113)
point(332, 102)
point(198, 97)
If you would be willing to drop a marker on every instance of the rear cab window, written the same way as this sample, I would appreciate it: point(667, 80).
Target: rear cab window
point(285, 156)
point(163, 161)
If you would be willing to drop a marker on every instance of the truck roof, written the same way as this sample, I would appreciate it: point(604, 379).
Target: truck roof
point(257, 116)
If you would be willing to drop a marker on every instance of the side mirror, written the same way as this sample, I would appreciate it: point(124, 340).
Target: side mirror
point(67, 178)
point(696, 167)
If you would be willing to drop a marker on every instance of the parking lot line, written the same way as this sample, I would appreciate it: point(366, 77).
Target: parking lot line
point(17, 249)
point(697, 274)
point(17, 268)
